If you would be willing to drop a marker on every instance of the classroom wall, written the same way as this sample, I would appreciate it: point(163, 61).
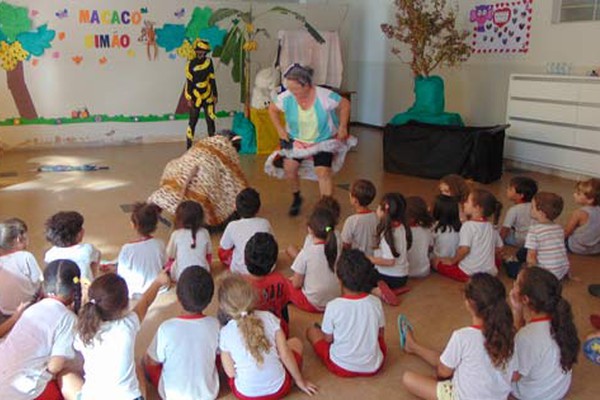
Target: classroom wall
point(130, 98)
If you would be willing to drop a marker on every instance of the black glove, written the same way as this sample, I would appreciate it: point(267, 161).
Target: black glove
point(286, 144)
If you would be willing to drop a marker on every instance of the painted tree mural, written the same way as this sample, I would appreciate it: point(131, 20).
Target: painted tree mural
point(179, 38)
point(18, 42)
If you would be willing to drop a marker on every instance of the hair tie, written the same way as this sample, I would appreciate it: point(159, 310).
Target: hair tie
point(93, 301)
point(244, 314)
point(328, 229)
point(76, 280)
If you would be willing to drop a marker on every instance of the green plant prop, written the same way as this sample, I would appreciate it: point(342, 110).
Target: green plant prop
point(428, 27)
point(241, 39)
point(18, 42)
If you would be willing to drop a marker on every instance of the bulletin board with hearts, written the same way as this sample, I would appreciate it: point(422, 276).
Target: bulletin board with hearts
point(502, 27)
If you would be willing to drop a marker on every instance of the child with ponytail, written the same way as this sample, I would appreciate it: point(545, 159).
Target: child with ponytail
point(314, 283)
point(256, 356)
point(141, 260)
point(190, 242)
point(106, 333)
point(546, 344)
point(394, 240)
point(477, 362)
point(479, 241)
point(36, 352)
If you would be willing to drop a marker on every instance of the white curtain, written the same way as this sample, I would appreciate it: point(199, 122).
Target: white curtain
point(326, 59)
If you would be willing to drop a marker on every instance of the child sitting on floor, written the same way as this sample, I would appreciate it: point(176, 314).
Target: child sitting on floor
point(520, 191)
point(479, 241)
point(237, 233)
point(446, 235)
point(546, 345)
point(314, 283)
point(456, 186)
point(583, 230)
point(257, 358)
point(190, 242)
point(420, 222)
point(181, 360)
point(20, 275)
point(272, 288)
point(478, 361)
point(141, 260)
point(545, 242)
point(359, 231)
point(351, 341)
point(64, 230)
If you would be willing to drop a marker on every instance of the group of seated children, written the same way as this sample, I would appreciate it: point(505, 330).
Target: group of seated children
point(343, 274)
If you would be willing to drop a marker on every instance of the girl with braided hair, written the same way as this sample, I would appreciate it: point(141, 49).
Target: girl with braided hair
point(36, 353)
point(477, 362)
point(546, 344)
point(256, 356)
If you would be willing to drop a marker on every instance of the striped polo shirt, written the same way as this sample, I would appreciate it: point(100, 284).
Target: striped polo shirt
point(548, 240)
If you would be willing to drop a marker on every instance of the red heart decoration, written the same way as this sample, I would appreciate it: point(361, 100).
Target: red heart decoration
point(502, 16)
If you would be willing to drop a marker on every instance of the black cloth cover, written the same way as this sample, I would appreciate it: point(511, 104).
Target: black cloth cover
point(432, 151)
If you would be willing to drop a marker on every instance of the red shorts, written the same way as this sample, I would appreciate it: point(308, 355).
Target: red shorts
point(153, 373)
point(452, 271)
point(322, 350)
point(298, 299)
point(225, 256)
point(51, 392)
point(282, 392)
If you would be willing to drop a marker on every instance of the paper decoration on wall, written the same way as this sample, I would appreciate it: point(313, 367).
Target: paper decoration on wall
point(61, 35)
point(34, 62)
point(77, 59)
point(148, 36)
point(34, 13)
point(170, 36)
point(144, 10)
point(131, 53)
point(38, 41)
point(180, 13)
point(64, 13)
point(56, 54)
point(172, 56)
point(103, 60)
point(13, 20)
point(501, 27)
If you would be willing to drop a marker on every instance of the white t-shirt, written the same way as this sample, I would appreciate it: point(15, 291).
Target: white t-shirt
point(109, 364)
point(187, 347)
point(518, 217)
point(236, 235)
point(20, 279)
point(140, 263)
point(538, 355)
point(320, 283)
point(360, 231)
point(180, 249)
point(354, 323)
point(46, 329)
point(418, 254)
point(400, 268)
point(82, 254)
point(475, 377)
point(548, 240)
point(482, 240)
point(251, 379)
point(445, 243)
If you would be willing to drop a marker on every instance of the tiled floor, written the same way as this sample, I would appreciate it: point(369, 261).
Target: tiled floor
point(434, 305)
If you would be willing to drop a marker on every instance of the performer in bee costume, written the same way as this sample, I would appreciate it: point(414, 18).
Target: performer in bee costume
point(200, 90)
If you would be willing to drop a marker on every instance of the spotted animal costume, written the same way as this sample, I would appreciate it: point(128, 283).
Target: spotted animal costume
point(208, 173)
point(201, 90)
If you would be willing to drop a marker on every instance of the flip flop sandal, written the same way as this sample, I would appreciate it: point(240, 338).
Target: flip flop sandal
point(403, 326)
point(594, 290)
point(388, 294)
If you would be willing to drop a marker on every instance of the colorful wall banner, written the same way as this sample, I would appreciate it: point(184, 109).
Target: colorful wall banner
point(501, 27)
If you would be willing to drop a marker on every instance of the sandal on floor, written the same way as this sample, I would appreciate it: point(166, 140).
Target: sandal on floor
point(387, 294)
point(401, 290)
point(403, 327)
point(594, 290)
point(595, 321)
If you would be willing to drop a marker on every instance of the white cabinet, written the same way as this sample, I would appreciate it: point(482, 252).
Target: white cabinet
point(554, 122)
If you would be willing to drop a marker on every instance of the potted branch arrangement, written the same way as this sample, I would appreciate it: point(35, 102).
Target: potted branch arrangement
point(428, 28)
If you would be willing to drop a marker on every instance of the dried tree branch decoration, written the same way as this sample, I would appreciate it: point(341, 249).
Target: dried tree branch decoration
point(428, 27)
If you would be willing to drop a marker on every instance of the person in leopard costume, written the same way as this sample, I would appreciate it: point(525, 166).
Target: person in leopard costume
point(208, 173)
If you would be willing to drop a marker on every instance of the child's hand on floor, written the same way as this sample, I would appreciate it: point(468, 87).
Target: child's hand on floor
point(307, 387)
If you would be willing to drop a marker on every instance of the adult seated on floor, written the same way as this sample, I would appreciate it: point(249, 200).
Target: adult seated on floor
point(208, 173)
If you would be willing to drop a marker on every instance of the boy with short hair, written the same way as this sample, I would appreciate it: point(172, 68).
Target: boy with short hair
point(351, 341)
point(272, 288)
point(359, 231)
point(520, 191)
point(583, 230)
point(545, 242)
point(64, 230)
point(237, 233)
point(181, 360)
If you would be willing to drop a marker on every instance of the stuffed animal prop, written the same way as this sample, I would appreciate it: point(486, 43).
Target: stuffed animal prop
point(266, 82)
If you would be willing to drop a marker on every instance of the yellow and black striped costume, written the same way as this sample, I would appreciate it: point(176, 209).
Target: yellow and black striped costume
point(201, 91)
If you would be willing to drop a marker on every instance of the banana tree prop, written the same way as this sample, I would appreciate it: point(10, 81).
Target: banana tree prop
point(241, 40)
